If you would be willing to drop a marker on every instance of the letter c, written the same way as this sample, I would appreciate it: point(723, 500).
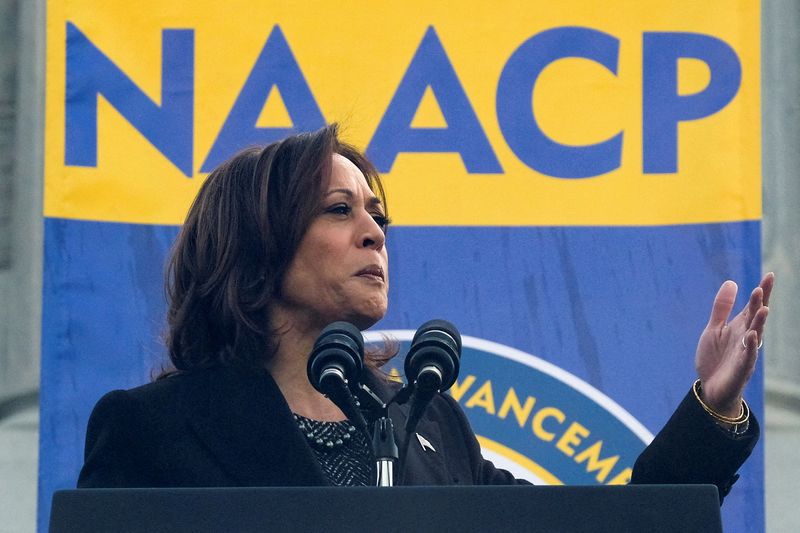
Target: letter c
point(538, 419)
point(515, 112)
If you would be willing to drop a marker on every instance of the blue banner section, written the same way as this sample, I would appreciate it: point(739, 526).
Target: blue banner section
point(619, 308)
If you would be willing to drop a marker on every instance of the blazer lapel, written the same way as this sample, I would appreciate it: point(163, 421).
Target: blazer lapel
point(245, 422)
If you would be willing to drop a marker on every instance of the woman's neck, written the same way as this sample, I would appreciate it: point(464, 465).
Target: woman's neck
point(288, 368)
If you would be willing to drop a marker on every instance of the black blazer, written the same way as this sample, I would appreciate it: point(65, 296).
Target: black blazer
point(229, 427)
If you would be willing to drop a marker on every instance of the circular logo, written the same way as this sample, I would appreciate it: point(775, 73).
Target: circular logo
point(535, 419)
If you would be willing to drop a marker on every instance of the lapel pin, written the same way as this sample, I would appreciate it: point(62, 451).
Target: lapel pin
point(424, 443)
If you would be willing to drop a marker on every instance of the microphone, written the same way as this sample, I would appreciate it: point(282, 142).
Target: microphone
point(432, 362)
point(431, 365)
point(335, 365)
point(337, 357)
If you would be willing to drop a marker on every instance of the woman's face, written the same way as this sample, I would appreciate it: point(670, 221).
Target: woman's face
point(340, 269)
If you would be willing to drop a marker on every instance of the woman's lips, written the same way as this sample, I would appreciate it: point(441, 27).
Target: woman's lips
point(372, 272)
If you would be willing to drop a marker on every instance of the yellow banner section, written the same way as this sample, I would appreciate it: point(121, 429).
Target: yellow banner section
point(482, 113)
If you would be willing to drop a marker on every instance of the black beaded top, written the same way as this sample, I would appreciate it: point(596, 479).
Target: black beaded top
point(341, 450)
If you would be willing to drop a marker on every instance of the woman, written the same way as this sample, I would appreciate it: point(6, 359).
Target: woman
point(279, 243)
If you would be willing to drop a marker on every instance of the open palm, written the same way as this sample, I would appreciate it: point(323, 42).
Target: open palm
point(727, 350)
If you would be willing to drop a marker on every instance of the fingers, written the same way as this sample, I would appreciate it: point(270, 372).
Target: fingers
point(757, 325)
point(759, 298)
point(747, 363)
point(723, 304)
point(766, 285)
point(755, 303)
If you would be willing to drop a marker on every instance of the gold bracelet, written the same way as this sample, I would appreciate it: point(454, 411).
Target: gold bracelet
point(744, 414)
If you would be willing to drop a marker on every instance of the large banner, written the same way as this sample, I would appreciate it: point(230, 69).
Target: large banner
point(570, 181)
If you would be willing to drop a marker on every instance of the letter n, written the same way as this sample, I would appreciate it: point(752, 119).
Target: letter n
point(431, 67)
point(168, 127)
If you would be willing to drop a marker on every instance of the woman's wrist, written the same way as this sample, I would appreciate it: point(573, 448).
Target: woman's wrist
point(736, 424)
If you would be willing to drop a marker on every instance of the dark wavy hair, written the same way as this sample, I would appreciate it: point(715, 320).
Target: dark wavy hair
point(239, 237)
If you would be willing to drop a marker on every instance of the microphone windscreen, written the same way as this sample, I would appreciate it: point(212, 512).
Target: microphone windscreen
point(340, 346)
point(440, 325)
point(436, 343)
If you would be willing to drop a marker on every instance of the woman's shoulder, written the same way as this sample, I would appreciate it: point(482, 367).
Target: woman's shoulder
point(125, 404)
point(175, 392)
point(153, 391)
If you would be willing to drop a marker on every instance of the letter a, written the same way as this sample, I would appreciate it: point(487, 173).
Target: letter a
point(275, 65)
point(431, 67)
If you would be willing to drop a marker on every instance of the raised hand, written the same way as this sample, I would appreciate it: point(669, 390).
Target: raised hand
point(727, 350)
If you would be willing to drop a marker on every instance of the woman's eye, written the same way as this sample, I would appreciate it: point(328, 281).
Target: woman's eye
point(340, 209)
point(383, 221)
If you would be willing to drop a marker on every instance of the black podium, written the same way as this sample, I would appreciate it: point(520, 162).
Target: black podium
point(646, 508)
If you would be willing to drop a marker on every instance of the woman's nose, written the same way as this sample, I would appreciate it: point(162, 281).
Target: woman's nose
point(373, 236)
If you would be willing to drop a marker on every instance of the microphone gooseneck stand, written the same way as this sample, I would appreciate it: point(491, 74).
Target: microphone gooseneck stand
point(339, 393)
point(384, 446)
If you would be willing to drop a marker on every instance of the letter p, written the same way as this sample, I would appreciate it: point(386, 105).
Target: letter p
point(663, 108)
